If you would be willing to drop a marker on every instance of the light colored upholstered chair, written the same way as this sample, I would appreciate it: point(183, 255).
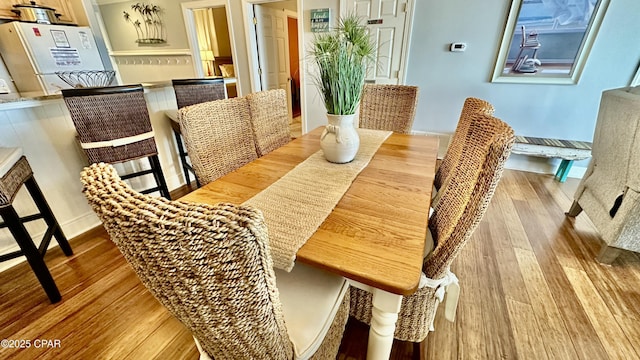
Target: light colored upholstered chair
point(609, 192)
point(114, 127)
point(211, 267)
point(218, 136)
point(388, 107)
point(189, 92)
point(462, 205)
point(452, 156)
point(269, 119)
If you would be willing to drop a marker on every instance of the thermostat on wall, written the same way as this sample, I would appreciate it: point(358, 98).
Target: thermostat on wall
point(458, 47)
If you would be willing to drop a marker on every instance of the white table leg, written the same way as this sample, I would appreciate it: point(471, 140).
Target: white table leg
point(386, 307)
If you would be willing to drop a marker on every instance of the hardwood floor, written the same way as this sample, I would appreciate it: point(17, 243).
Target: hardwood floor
point(530, 289)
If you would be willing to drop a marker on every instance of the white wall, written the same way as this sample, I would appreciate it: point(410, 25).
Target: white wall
point(47, 136)
point(446, 79)
point(558, 111)
point(122, 34)
point(122, 37)
point(314, 113)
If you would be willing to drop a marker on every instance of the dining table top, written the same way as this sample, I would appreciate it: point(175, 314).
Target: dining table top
point(376, 233)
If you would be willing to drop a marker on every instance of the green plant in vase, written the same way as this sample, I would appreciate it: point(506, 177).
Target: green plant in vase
point(342, 56)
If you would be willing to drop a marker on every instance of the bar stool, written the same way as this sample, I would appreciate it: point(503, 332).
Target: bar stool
point(191, 92)
point(113, 127)
point(15, 171)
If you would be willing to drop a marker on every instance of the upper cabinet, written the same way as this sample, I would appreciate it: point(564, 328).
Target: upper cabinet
point(5, 10)
point(63, 7)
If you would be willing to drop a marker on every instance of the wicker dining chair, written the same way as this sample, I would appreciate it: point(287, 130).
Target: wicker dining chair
point(113, 126)
point(218, 136)
point(452, 156)
point(388, 107)
point(269, 119)
point(211, 267)
point(464, 202)
point(189, 92)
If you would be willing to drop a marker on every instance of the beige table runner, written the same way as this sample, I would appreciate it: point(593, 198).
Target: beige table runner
point(297, 204)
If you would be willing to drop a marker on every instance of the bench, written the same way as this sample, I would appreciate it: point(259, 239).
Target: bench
point(567, 150)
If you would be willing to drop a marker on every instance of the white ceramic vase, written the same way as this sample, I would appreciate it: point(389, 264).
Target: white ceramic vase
point(340, 140)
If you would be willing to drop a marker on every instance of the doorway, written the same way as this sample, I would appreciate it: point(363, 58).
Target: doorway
point(275, 50)
point(209, 31)
point(294, 61)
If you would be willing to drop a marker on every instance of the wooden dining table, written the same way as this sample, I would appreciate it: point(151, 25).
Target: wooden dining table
point(375, 235)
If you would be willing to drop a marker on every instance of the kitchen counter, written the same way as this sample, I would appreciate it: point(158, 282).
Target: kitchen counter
point(43, 128)
point(25, 102)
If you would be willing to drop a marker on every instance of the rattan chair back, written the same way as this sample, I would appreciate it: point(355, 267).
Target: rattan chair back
point(388, 107)
point(465, 198)
point(102, 115)
point(269, 119)
point(463, 203)
point(470, 107)
point(196, 91)
point(210, 266)
point(218, 136)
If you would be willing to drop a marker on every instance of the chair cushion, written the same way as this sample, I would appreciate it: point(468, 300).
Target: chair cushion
point(429, 244)
point(310, 299)
point(8, 158)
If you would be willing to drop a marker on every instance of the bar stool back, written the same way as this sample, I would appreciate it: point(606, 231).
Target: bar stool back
point(14, 172)
point(190, 92)
point(113, 127)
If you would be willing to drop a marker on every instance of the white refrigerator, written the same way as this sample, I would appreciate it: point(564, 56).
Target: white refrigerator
point(34, 53)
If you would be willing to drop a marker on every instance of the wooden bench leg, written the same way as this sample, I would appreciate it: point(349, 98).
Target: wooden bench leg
point(563, 170)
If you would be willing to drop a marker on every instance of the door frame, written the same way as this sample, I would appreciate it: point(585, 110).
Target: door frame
point(406, 41)
point(192, 36)
point(252, 45)
point(294, 15)
point(250, 36)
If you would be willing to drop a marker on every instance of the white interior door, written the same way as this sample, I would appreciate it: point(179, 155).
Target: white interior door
point(386, 22)
point(273, 49)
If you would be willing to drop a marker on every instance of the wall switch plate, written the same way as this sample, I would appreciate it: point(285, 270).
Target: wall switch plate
point(4, 88)
point(458, 47)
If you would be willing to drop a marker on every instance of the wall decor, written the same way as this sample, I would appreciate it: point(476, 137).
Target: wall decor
point(320, 19)
point(147, 22)
point(548, 41)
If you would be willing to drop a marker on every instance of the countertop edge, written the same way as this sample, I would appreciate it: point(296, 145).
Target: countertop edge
point(34, 101)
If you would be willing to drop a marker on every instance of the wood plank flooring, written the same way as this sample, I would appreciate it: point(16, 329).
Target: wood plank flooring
point(530, 289)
